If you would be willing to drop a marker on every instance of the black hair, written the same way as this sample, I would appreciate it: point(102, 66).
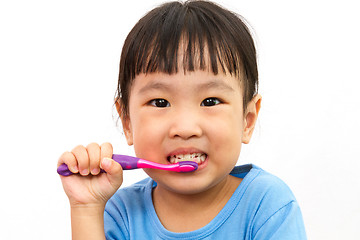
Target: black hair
point(209, 36)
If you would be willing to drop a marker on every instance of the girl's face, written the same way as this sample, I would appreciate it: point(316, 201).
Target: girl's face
point(196, 116)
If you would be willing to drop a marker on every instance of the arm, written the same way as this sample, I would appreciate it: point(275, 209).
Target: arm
point(87, 223)
point(89, 190)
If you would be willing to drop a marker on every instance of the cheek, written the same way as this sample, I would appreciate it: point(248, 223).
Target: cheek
point(147, 135)
point(227, 135)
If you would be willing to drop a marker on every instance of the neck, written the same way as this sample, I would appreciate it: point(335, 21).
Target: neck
point(176, 210)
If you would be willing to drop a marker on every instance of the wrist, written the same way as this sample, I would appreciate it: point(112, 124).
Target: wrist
point(87, 210)
point(87, 222)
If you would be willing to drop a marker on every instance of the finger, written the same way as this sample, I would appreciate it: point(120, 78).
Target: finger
point(69, 159)
point(93, 150)
point(82, 158)
point(106, 150)
point(113, 170)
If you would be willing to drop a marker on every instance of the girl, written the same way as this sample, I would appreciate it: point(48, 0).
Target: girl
point(187, 91)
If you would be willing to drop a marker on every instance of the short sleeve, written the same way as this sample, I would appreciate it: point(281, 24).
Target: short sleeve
point(114, 229)
point(286, 223)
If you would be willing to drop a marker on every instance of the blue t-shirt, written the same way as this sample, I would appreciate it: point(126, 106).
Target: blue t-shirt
point(262, 207)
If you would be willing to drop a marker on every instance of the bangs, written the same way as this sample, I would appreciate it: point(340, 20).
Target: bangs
point(195, 35)
point(199, 39)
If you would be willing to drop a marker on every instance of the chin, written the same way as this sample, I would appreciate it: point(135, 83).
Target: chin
point(190, 183)
point(184, 186)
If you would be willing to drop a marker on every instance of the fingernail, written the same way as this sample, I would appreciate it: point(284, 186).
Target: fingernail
point(106, 162)
point(95, 171)
point(74, 169)
point(85, 172)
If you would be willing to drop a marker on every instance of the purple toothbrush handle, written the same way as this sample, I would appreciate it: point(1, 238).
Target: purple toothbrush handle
point(64, 170)
point(126, 162)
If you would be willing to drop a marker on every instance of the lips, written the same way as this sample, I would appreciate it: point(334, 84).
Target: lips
point(198, 157)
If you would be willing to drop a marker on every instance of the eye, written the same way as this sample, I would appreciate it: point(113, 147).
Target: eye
point(208, 102)
point(159, 102)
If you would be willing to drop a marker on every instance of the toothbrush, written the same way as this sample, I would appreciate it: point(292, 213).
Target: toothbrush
point(128, 163)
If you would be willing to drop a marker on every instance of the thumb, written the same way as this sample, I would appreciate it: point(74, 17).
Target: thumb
point(113, 170)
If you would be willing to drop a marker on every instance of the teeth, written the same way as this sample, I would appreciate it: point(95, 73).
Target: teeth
point(195, 157)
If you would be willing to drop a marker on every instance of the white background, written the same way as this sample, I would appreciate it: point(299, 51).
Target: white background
point(58, 74)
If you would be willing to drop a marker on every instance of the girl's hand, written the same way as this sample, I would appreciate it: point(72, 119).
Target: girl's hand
point(88, 187)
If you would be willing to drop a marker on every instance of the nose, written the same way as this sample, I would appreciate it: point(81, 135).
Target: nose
point(185, 125)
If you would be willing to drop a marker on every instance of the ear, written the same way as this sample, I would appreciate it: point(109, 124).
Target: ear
point(251, 114)
point(126, 124)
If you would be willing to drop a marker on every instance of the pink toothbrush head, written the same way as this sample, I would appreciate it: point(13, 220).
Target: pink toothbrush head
point(187, 166)
point(128, 163)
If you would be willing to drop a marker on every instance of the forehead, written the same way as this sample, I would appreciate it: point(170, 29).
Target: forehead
point(196, 81)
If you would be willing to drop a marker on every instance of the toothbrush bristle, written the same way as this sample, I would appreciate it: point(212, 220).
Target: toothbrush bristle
point(188, 166)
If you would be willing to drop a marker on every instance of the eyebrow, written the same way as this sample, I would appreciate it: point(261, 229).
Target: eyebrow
point(213, 84)
point(155, 86)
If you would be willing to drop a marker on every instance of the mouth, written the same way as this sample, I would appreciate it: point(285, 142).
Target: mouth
point(199, 158)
